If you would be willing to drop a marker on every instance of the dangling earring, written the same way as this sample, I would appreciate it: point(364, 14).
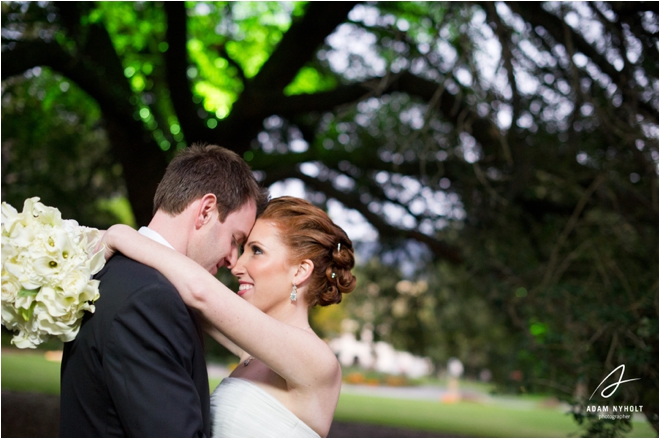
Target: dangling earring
point(294, 293)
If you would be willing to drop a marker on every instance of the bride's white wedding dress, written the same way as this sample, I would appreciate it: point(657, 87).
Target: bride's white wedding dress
point(240, 408)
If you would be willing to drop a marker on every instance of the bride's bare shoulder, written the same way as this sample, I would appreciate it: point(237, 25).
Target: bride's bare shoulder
point(326, 364)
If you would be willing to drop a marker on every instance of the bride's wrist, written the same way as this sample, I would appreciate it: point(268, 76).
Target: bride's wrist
point(111, 237)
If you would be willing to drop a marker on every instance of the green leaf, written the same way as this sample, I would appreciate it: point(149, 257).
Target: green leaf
point(25, 293)
point(310, 80)
point(27, 313)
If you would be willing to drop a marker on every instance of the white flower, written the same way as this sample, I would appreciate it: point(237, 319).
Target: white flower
point(47, 264)
point(74, 283)
point(26, 339)
point(10, 287)
point(10, 217)
point(10, 316)
point(36, 211)
point(9, 251)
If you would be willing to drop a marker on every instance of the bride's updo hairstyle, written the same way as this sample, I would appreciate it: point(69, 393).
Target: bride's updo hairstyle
point(309, 233)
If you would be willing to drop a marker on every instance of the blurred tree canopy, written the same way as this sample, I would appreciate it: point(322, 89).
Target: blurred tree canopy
point(517, 141)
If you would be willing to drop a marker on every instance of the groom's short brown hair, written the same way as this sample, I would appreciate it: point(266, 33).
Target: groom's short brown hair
point(208, 169)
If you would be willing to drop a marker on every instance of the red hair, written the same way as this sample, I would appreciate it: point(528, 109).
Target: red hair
point(309, 233)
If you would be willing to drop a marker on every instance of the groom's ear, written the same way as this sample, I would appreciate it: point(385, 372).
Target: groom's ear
point(207, 210)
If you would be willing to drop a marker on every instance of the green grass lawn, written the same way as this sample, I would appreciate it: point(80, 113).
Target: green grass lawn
point(30, 371)
point(465, 418)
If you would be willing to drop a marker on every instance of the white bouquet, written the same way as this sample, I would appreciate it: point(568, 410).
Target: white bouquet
point(47, 265)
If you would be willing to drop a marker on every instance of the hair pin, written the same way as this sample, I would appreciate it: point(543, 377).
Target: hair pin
point(334, 274)
point(339, 247)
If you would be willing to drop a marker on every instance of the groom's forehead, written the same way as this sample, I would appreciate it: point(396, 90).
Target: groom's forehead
point(241, 237)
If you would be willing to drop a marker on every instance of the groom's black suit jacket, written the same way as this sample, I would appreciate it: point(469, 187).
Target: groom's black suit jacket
point(137, 366)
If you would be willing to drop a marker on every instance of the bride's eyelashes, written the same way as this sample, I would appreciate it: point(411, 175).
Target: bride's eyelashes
point(256, 250)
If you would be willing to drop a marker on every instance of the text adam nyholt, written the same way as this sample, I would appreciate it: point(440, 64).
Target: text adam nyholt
point(614, 408)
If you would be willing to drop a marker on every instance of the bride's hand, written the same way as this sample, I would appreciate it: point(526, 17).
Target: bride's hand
point(110, 237)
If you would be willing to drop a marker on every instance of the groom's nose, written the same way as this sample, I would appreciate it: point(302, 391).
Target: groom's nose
point(231, 258)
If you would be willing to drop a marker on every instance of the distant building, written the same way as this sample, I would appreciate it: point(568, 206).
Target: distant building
point(379, 356)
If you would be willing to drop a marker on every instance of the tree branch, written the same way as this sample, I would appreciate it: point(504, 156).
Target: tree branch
point(454, 109)
point(298, 45)
point(222, 51)
point(535, 15)
point(520, 156)
point(142, 161)
point(294, 50)
point(176, 66)
point(24, 55)
point(29, 54)
point(439, 248)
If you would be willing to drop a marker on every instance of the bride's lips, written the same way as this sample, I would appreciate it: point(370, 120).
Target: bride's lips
point(244, 287)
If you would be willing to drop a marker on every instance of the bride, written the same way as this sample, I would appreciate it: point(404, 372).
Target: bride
point(288, 380)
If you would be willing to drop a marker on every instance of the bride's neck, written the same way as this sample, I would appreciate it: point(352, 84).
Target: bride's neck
point(294, 314)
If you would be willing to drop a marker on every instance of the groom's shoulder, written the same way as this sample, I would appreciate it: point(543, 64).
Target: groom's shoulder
point(122, 277)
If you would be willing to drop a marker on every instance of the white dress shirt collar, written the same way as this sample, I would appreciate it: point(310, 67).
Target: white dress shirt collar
point(150, 233)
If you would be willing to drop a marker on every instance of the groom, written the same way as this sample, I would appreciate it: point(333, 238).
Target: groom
point(137, 366)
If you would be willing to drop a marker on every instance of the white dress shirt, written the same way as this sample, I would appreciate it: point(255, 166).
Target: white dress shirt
point(150, 233)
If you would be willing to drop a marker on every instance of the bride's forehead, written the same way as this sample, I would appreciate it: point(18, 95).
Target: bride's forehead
point(263, 225)
point(264, 229)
